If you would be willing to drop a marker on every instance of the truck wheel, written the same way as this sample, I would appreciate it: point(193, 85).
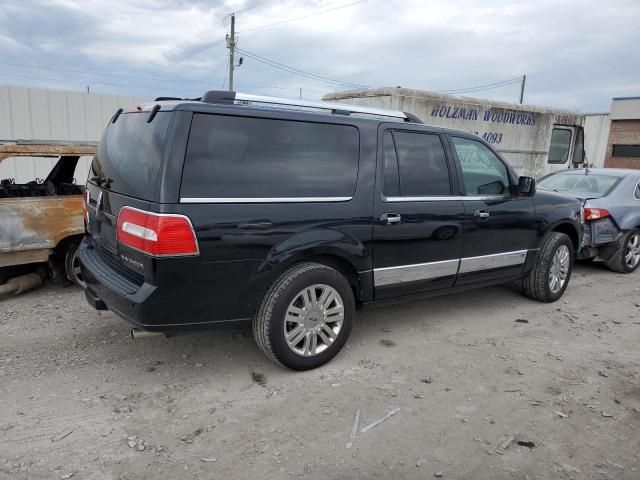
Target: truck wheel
point(305, 317)
point(72, 265)
point(627, 259)
point(549, 278)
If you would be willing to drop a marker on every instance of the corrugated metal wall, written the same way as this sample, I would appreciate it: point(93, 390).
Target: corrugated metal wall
point(40, 114)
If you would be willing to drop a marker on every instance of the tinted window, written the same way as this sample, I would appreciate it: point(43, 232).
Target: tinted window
point(591, 186)
point(235, 157)
point(482, 171)
point(130, 154)
point(560, 145)
point(391, 179)
point(636, 192)
point(422, 164)
point(628, 151)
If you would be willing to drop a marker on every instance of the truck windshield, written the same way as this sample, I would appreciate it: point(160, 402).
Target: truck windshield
point(586, 186)
point(129, 156)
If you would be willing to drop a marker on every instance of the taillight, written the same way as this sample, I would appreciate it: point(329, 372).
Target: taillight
point(591, 214)
point(85, 207)
point(157, 234)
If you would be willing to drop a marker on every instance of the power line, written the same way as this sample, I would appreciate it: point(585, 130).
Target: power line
point(79, 82)
point(297, 71)
point(487, 86)
point(86, 72)
point(251, 7)
point(301, 17)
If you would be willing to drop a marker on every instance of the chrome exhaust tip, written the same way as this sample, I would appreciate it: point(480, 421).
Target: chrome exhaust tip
point(137, 334)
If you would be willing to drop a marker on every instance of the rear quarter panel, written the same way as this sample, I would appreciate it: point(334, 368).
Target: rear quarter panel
point(554, 209)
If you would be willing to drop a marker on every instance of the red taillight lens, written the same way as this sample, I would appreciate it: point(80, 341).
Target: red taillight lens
point(591, 214)
point(157, 234)
point(85, 207)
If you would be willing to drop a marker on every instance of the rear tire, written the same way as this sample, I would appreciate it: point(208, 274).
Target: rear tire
point(627, 259)
point(72, 265)
point(549, 278)
point(312, 303)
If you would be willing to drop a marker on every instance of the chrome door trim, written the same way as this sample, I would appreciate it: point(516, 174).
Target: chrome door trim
point(411, 273)
point(444, 268)
point(444, 198)
point(496, 260)
point(264, 199)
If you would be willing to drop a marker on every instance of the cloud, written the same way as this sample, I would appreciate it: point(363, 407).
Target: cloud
point(573, 58)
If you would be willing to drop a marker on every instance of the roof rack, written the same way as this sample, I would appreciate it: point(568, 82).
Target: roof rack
point(220, 96)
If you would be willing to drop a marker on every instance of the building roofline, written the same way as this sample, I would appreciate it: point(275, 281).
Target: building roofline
point(430, 95)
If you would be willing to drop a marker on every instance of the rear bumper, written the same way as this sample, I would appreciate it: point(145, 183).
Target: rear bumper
point(109, 290)
point(600, 239)
point(181, 300)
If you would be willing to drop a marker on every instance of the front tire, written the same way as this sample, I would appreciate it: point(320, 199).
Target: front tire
point(627, 259)
point(305, 317)
point(549, 278)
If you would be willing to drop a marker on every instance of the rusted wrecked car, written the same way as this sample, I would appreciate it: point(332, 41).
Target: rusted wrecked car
point(41, 221)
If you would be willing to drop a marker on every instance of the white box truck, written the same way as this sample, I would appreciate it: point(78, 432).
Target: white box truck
point(534, 140)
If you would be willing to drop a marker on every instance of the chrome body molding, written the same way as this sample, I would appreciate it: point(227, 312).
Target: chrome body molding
point(264, 199)
point(488, 262)
point(444, 198)
point(412, 273)
point(427, 271)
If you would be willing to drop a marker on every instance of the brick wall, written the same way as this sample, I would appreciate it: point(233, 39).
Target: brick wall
point(623, 132)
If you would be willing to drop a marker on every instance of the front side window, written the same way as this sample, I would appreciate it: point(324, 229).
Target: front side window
point(422, 164)
point(560, 145)
point(482, 171)
point(241, 157)
point(636, 192)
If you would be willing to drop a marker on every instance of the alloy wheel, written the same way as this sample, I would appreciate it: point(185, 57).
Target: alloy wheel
point(559, 268)
point(632, 251)
point(313, 320)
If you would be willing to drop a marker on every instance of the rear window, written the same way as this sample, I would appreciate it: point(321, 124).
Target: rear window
point(591, 186)
point(239, 157)
point(130, 154)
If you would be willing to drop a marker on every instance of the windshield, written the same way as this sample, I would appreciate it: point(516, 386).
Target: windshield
point(130, 154)
point(587, 186)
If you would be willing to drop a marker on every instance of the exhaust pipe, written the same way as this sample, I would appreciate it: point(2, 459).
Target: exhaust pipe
point(137, 334)
point(21, 284)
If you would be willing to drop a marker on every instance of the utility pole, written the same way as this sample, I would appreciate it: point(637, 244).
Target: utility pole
point(231, 45)
point(524, 80)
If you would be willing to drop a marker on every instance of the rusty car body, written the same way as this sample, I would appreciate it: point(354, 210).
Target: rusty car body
point(41, 221)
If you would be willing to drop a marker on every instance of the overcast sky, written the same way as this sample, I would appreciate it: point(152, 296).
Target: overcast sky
point(576, 54)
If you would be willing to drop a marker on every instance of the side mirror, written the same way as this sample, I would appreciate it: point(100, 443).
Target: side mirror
point(526, 186)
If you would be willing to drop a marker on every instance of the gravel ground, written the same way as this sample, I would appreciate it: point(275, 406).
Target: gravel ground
point(490, 385)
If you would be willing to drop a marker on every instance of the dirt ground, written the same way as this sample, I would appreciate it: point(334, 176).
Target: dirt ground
point(490, 385)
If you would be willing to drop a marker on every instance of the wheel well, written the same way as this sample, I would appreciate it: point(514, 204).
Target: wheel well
point(570, 231)
point(342, 266)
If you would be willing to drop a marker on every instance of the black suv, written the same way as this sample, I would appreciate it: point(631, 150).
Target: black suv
point(290, 214)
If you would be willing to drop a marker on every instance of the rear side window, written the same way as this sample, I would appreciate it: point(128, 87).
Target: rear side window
point(240, 157)
point(421, 163)
point(130, 154)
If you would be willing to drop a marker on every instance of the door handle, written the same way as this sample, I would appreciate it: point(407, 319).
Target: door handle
point(390, 218)
point(481, 214)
